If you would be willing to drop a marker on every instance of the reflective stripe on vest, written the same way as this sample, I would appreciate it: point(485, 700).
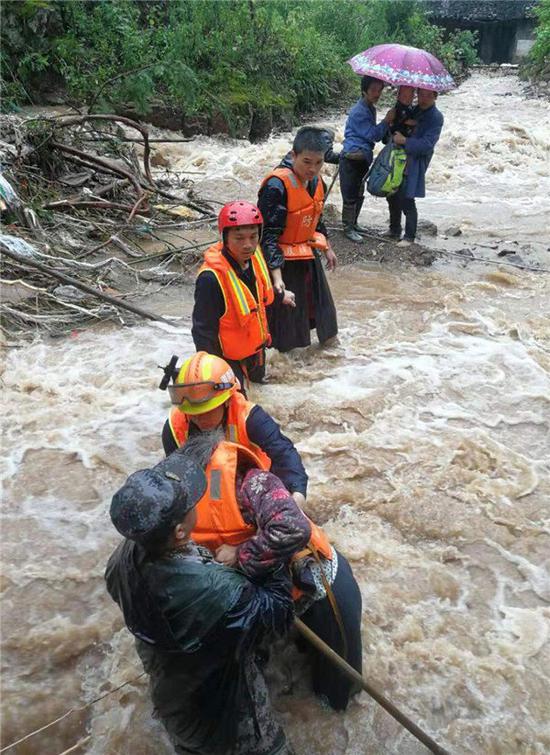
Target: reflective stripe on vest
point(303, 213)
point(237, 410)
point(243, 328)
point(219, 518)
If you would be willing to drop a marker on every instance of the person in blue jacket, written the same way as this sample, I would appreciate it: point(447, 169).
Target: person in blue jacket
point(419, 147)
point(360, 134)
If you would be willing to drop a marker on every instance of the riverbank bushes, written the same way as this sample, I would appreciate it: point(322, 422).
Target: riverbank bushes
point(538, 64)
point(229, 61)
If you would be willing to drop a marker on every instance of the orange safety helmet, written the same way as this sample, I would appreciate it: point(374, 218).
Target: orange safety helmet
point(203, 383)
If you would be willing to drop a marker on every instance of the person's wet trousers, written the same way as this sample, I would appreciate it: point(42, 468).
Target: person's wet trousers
point(399, 203)
point(328, 681)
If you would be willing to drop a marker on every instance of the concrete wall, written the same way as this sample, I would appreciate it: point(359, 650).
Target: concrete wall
point(525, 39)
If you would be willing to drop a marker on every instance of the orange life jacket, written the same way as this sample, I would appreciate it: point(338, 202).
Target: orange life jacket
point(219, 518)
point(238, 409)
point(243, 329)
point(303, 213)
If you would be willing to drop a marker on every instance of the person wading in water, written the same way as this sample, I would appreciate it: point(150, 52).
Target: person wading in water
point(197, 623)
point(232, 290)
point(293, 241)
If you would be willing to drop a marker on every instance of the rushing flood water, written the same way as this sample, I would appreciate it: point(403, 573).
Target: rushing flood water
point(425, 434)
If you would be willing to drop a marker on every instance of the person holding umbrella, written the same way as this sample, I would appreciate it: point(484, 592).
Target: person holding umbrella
point(404, 66)
point(360, 134)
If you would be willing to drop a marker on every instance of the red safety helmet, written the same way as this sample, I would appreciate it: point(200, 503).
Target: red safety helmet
point(239, 213)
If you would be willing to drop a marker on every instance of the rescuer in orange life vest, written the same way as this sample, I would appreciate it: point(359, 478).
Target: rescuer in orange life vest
point(294, 242)
point(205, 394)
point(232, 290)
point(249, 521)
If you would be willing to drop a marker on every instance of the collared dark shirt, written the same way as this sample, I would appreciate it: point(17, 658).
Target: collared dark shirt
point(272, 201)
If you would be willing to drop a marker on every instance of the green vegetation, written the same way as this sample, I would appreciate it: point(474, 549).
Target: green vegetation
point(538, 65)
point(229, 57)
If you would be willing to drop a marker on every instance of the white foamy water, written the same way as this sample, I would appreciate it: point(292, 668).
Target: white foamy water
point(425, 434)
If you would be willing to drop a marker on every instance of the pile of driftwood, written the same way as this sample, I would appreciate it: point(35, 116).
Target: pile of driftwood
point(81, 212)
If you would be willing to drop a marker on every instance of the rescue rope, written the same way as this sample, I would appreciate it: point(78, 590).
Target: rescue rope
point(332, 600)
point(404, 720)
point(531, 268)
point(80, 742)
point(68, 713)
point(415, 730)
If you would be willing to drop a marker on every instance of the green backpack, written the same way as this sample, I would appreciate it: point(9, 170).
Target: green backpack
point(386, 173)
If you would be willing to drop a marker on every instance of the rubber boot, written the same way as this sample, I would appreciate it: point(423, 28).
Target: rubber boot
point(356, 226)
point(348, 221)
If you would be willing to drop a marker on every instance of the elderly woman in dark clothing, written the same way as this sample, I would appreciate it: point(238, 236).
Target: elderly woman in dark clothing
point(360, 135)
point(279, 532)
point(419, 147)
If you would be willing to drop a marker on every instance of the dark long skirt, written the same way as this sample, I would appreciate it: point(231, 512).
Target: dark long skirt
point(290, 327)
point(328, 680)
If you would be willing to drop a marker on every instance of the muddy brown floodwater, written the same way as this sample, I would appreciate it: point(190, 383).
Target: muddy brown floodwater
point(425, 432)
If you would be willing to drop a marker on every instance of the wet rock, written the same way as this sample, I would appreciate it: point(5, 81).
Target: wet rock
point(69, 293)
point(427, 227)
point(454, 230)
point(194, 125)
point(160, 115)
point(516, 259)
point(159, 159)
point(262, 123)
point(219, 124)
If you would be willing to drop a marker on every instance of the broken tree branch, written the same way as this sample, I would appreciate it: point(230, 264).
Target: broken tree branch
point(102, 162)
point(76, 120)
point(83, 286)
point(66, 204)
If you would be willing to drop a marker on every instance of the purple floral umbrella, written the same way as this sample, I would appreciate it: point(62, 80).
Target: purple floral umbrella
point(401, 65)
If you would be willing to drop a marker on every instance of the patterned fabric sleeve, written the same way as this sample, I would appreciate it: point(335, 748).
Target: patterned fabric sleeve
point(282, 528)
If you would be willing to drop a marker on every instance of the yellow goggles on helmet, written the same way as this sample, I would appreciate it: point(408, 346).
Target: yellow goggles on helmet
point(197, 398)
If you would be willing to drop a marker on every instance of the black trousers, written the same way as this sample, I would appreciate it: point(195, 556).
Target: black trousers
point(290, 326)
point(352, 174)
point(328, 680)
point(252, 368)
point(398, 203)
